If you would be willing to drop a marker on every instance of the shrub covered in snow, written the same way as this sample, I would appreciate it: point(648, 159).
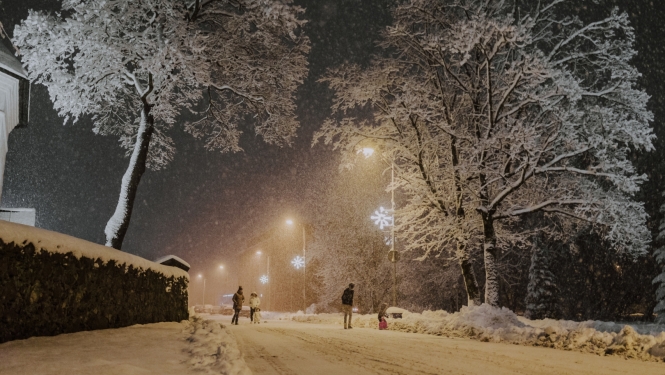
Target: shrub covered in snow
point(51, 283)
point(490, 324)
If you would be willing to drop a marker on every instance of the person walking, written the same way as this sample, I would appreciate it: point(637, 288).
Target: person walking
point(347, 305)
point(254, 303)
point(238, 300)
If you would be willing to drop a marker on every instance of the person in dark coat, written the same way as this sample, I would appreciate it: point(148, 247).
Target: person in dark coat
point(347, 305)
point(382, 311)
point(238, 299)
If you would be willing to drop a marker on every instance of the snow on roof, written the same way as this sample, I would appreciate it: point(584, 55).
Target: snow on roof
point(167, 257)
point(10, 63)
point(396, 310)
point(53, 242)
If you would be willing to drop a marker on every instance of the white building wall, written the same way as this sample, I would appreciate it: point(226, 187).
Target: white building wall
point(25, 216)
point(9, 117)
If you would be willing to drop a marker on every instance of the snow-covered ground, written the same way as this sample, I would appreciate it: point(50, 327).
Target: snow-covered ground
point(289, 347)
point(484, 323)
point(191, 347)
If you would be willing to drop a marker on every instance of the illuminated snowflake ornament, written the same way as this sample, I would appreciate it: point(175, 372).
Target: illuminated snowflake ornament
point(298, 262)
point(264, 279)
point(382, 218)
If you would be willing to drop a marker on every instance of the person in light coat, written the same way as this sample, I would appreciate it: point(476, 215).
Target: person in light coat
point(254, 303)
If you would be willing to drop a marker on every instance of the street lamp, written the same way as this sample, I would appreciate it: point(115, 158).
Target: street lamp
point(204, 290)
point(383, 218)
point(301, 262)
point(264, 279)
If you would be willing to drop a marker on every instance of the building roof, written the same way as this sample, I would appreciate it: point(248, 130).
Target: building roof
point(174, 261)
point(11, 63)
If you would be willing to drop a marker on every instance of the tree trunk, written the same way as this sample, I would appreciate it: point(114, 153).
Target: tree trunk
point(116, 228)
point(470, 281)
point(462, 253)
point(491, 273)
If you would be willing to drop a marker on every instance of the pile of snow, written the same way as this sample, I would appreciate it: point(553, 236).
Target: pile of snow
point(213, 349)
point(490, 324)
point(53, 242)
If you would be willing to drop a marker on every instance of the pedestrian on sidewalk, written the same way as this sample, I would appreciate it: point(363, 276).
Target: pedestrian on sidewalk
point(347, 305)
point(238, 300)
point(254, 303)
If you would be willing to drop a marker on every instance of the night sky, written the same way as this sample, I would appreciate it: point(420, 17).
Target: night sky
point(206, 205)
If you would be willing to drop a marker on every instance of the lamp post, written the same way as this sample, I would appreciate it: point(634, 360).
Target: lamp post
point(226, 280)
point(265, 279)
point(258, 267)
point(381, 219)
point(302, 262)
point(204, 290)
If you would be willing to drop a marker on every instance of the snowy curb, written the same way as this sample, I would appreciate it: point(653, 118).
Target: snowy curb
point(489, 324)
point(213, 349)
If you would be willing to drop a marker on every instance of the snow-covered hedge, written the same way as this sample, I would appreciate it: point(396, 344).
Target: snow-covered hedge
point(51, 283)
point(486, 323)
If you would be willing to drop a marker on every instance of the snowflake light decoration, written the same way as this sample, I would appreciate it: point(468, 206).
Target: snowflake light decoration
point(263, 279)
point(382, 218)
point(298, 262)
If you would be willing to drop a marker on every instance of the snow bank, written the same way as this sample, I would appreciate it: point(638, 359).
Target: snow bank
point(213, 349)
point(54, 242)
point(489, 324)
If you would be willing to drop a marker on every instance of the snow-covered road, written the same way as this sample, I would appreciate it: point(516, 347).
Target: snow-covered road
point(287, 347)
point(283, 347)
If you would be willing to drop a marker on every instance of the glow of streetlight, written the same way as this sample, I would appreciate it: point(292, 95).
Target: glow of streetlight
point(264, 279)
point(298, 262)
point(289, 222)
point(366, 151)
point(258, 252)
point(200, 276)
point(221, 267)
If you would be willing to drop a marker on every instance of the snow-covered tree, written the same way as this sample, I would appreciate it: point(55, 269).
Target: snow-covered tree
point(134, 66)
point(519, 110)
point(406, 134)
point(348, 246)
point(542, 291)
point(659, 255)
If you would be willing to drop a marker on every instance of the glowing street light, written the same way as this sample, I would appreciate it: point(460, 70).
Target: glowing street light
point(264, 279)
point(366, 151)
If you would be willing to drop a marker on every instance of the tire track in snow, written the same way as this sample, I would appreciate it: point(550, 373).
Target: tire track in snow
point(345, 347)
